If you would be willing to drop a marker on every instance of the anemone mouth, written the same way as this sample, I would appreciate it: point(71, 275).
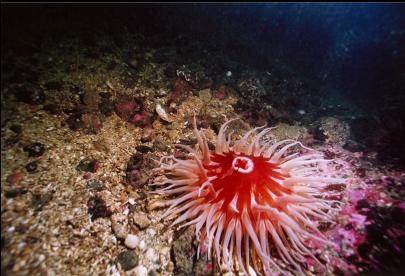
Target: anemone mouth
point(242, 164)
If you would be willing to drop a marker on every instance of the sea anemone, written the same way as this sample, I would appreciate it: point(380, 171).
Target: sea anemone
point(254, 198)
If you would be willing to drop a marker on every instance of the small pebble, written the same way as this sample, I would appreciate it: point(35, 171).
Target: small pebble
point(142, 245)
point(88, 165)
point(30, 94)
point(95, 185)
point(119, 229)
point(15, 177)
point(15, 192)
point(97, 208)
point(144, 149)
point(100, 146)
point(147, 135)
point(128, 260)
point(301, 112)
point(32, 166)
point(155, 204)
point(150, 255)
point(131, 201)
point(35, 149)
point(159, 145)
point(17, 129)
point(40, 200)
point(109, 84)
point(151, 232)
point(141, 220)
point(140, 270)
point(131, 241)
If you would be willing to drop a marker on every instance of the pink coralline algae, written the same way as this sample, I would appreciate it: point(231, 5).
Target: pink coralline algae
point(219, 94)
point(371, 236)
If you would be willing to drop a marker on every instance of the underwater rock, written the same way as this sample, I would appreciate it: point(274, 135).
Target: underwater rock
point(180, 91)
point(15, 192)
point(10, 142)
point(38, 201)
point(388, 137)
point(141, 119)
point(95, 185)
point(219, 94)
point(286, 131)
point(131, 241)
point(251, 89)
point(17, 129)
point(30, 94)
point(203, 266)
point(119, 225)
point(141, 220)
point(381, 249)
point(147, 135)
point(136, 171)
point(97, 208)
point(194, 74)
point(88, 165)
point(132, 110)
point(140, 270)
point(205, 95)
point(128, 260)
point(91, 100)
point(159, 145)
point(361, 129)
point(334, 130)
point(101, 146)
point(35, 149)
point(184, 252)
point(75, 121)
point(126, 108)
point(32, 166)
point(106, 106)
point(143, 149)
point(90, 123)
point(15, 177)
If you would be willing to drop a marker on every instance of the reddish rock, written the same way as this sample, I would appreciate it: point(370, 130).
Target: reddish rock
point(15, 177)
point(219, 94)
point(181, 90)
point(126, 108)
point(133, 111)
point(141, 119)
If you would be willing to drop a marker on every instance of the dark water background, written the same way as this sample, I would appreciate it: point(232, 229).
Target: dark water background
point(359, 48)
point(355, 49)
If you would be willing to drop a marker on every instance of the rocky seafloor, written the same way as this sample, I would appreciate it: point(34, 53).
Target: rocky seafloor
point(83, 117)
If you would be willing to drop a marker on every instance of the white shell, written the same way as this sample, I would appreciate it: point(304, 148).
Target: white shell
point(162, 113)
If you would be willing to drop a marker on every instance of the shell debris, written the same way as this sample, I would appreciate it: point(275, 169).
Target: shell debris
point(162, 113)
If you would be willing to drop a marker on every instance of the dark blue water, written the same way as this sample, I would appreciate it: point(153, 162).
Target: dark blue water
point(358, 48)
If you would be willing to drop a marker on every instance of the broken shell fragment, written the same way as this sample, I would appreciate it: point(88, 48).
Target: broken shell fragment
point(162, 113)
